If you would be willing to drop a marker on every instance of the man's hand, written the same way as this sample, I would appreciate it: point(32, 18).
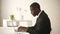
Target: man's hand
point(22, 29)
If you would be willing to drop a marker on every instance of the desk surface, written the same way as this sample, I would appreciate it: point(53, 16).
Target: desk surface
point(9, 30)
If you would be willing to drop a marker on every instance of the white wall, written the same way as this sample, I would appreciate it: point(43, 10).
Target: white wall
point(12, 7)
point(51, 7)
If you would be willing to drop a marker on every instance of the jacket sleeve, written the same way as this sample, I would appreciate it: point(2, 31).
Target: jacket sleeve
point(38, 28)
point(31, 30)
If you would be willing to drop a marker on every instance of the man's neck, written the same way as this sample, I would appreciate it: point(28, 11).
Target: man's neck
point(39, 13)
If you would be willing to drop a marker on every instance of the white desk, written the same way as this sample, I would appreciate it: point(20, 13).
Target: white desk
point(9, 30)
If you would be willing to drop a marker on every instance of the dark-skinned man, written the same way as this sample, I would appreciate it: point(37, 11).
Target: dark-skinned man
point(42, 25)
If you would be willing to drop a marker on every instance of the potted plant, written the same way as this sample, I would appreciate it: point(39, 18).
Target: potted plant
point(12, 17)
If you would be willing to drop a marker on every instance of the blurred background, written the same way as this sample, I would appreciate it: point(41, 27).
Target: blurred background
point(21, 11)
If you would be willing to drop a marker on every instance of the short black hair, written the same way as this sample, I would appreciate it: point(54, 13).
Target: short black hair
point(35, 5)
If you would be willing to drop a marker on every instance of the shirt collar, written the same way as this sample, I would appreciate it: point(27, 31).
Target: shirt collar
point(39, 13)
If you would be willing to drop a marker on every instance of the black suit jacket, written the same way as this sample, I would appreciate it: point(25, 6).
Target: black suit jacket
point(42, 25)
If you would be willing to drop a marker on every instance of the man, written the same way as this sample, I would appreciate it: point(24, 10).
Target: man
point(42, 25)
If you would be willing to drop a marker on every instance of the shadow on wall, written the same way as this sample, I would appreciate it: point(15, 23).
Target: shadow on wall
point(0, 15)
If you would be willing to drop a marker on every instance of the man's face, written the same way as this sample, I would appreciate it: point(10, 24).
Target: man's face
point(33, 11)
